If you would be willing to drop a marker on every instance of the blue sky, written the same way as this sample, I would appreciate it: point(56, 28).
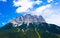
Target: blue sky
point(49, 9)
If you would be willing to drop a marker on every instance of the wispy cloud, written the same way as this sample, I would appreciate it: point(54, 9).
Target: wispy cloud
point(3, 23)
point(41, 9)
point(49, 1)
point(3, 0)
point(52, 16)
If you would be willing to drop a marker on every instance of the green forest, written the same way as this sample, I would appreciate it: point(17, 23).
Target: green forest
point(34, 30)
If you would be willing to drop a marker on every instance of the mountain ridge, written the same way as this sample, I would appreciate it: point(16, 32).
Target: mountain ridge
point(33, 30)
point(28, 18)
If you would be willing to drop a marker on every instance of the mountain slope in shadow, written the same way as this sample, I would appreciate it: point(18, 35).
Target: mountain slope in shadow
point(34, 30)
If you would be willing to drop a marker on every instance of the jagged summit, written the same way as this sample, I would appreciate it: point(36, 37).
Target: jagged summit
point(28, 18)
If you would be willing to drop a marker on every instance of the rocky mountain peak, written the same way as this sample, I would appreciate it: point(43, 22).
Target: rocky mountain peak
point(28, 18)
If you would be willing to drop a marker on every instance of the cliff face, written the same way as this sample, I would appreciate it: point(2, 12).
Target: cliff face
point(27, 19)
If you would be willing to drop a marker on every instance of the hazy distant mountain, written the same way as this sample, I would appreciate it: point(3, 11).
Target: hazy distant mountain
point(29, 26)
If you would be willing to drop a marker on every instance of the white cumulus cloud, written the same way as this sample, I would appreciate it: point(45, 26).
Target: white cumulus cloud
point(25, 5)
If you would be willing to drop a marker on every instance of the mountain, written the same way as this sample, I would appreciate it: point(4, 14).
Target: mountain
point(19, 28)
point(28, 18)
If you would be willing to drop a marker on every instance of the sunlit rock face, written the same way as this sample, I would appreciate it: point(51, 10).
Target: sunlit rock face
point(14, 23)
point(28, 18)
